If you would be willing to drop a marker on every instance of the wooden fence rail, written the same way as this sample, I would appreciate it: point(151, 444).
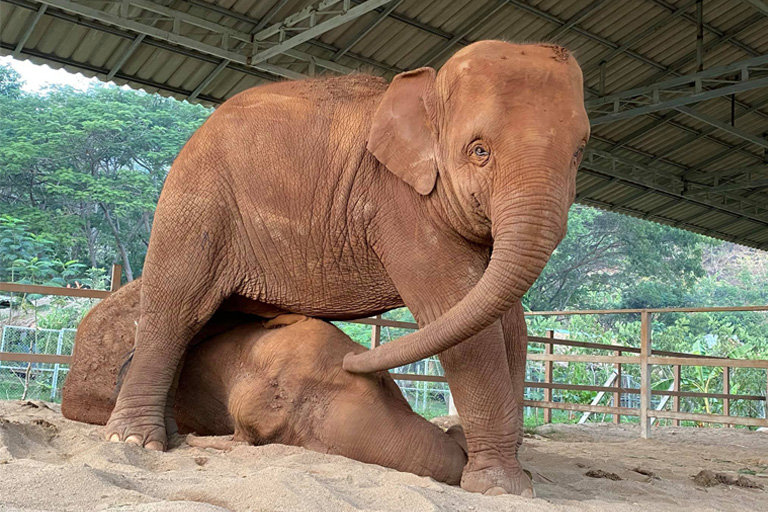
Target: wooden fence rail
point(644, 356)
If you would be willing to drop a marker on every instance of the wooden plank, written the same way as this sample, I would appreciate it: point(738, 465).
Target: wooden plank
point(617, 394)
point(726, 391)
point(548, 377)
point(584, 312)
point(676, 387)
point(636, 391)
point(709, 361)
point(651, 310)
point(114, 282)
point(622, 348)
point(35, 358)
point(711, 418)
point(584, 358)
point(53, 290)
point(625, 411)
point(384, 323)
point(420, 378)
point(376, 333)
point(645, 375)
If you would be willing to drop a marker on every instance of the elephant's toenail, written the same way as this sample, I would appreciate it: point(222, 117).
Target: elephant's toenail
point(495, 491)
point(114, 438)
point(133, 440)
point(154, 445)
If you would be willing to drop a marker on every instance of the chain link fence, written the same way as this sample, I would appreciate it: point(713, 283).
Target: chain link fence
point(26, 380)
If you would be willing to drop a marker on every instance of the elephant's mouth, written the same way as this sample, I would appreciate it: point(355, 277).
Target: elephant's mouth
point(479, 213)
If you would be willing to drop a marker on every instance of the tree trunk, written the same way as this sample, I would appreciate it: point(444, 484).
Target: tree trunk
point(120, 245)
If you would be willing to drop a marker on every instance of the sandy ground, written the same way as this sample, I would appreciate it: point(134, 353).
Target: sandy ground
point(50, 463)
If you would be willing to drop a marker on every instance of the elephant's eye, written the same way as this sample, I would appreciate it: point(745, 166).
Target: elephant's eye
point(479, 153)
point(579, 153)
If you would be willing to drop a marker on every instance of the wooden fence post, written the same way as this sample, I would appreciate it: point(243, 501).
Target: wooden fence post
point(676, 398)
point(645, 375)
point(727, 391)
point(114, 283)
point(548, 378)
point(376, 334)
point(617, 395)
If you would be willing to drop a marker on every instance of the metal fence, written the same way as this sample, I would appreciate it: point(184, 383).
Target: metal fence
point(426, 388)
point(28, 379)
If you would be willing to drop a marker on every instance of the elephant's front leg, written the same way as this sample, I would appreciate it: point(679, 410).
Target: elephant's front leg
point(516, 340)
point(478, 374)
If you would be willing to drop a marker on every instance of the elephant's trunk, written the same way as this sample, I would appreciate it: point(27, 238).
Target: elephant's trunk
point(407, 442)
point(525, 234)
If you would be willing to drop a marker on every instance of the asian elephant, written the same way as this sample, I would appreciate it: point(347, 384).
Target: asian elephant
point(264, 383)
point(345, 197)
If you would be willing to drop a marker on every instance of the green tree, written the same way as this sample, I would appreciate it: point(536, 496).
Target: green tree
point(85, 169)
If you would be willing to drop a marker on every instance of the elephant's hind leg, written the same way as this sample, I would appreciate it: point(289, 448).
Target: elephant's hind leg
point(188, 272)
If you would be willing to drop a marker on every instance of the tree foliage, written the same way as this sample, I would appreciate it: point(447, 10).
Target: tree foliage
point(83, 170)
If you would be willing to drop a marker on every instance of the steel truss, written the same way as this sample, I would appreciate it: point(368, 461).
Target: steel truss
point(247, 49)
point(613, 168)
point(680, 91)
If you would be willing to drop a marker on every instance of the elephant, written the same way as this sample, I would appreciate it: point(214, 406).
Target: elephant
point(344, 197)
point(263, 382)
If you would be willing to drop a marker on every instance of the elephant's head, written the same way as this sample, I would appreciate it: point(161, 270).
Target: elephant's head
point(500, 131)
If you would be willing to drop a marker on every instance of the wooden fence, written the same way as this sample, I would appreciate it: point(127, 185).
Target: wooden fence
point(644, 356)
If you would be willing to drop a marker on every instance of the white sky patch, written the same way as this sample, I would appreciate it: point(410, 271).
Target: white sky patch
point(37, 78)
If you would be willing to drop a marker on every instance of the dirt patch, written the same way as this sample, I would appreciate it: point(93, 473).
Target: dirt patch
point(50, 463)
point(708, 478)
point(599, 473)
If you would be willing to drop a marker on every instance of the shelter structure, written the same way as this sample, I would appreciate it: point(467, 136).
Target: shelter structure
point(676, 90)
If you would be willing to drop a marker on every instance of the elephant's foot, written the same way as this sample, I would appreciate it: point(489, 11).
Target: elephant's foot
point(496, 480)
point(141, 425)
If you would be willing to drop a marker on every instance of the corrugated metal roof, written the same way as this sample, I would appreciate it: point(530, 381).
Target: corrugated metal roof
point(633, 42)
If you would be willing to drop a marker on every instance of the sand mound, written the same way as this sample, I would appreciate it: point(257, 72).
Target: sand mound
point(50, 463)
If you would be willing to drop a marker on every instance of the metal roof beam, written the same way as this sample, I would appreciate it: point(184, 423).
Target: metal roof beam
point(28, 31)
point(672, 186)
point(104, 71)
point(600, 39)
point(381, 16)
point(725, 127)
point(175, 38)
point(573, 20)
point(678, 145)
point(597, 187)
point(642, 35)
point(680, 91)
point(711, 29)
point(473, 24)
point(759, 5)
point(125, 56)
point(314, 29)
point(728, 188)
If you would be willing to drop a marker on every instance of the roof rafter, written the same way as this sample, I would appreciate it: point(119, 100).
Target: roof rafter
point(121, 20)
point(679, 91)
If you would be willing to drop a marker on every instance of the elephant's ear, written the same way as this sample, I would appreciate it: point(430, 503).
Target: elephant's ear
point(404, 129)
